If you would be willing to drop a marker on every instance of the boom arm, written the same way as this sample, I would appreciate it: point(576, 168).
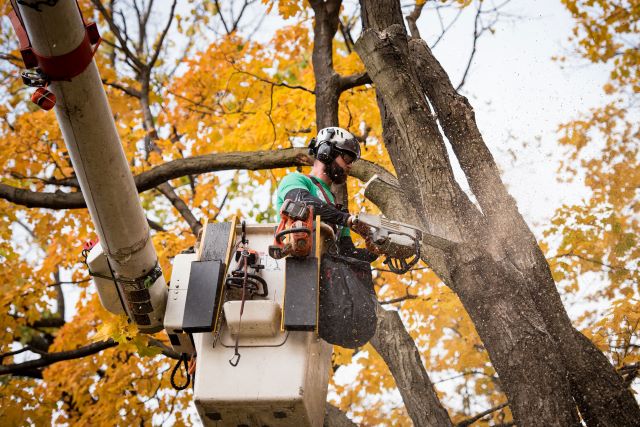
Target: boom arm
point(99, 162)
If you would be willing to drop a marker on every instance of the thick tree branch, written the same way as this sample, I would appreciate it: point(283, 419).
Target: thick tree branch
point(51, 322)
point(257, 160)
point(325, 26)
point(181, 206)
point(354, 80)
point(32, 368)
point(598, 390)
point(397, 348)
point(334, 417)
point(166, 350)
point(421, 163)
point(418, 152)
point(50, 358)
point(458, 122)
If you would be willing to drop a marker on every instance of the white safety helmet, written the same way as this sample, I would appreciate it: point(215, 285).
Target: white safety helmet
point(332, 142)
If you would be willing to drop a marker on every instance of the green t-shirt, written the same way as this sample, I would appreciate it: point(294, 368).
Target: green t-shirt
point(296, 180)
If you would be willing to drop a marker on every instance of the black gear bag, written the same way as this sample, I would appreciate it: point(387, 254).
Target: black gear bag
point(347, 301)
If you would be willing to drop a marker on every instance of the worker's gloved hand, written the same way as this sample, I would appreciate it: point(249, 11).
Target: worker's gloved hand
point(360, 228)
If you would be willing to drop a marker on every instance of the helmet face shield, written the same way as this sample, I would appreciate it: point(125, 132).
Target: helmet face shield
point(348, 157)
point(349, 149)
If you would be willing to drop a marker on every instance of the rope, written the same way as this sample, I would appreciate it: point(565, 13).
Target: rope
point(236, 355)
point(182, 360)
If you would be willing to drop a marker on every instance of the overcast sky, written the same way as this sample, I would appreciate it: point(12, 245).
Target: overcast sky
point(521, 95)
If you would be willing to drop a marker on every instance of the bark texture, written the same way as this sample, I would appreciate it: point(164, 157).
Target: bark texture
point(327, 80)
point(411, 377)
point(492, 288)
point(334, 417)
point(596, 387)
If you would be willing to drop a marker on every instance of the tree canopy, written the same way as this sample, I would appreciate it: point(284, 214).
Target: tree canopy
point(211, 117)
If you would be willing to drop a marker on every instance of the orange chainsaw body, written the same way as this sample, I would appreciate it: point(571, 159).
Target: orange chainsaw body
point(294, 235)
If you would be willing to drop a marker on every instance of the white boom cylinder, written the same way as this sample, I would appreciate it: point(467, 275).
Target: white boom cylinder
point(100, 165)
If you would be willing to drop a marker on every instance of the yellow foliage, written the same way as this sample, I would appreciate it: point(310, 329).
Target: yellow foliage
point(598, 237)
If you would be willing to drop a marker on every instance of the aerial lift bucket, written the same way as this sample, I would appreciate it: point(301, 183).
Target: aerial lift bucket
point(252, 370)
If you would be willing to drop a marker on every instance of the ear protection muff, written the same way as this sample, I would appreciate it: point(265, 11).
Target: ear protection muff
point(324, 150)
point(326, 153)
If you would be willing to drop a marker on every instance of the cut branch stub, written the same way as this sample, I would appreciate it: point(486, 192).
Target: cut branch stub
point(418, 154)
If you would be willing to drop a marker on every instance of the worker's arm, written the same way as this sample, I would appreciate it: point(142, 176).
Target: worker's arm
point(328, 213)
point(332, 215)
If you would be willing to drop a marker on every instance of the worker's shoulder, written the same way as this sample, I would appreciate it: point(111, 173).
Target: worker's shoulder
point(295, 180)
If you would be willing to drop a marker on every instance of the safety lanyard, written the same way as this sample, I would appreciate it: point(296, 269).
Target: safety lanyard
point(336, 228)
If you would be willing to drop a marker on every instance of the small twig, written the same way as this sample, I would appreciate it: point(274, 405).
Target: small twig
point(591, 260)
point(163, 35)
point(476, 36)
point(464, 374)
point(224, 201)
point(413, 17)
point(135, 62)
point(399, 299)
point(224, 23)
point(475, 418)
point(443, 29)
point(273, 125)
point(281, 84)
point(71, 282)
point(126, 89)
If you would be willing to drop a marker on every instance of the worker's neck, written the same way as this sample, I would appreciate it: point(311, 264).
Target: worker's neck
point(318, 170)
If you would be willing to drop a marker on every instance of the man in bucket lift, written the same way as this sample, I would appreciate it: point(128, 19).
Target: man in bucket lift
point(335, 150)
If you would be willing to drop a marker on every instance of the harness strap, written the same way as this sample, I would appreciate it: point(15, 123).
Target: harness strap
point(336, 229)
point(324, 193)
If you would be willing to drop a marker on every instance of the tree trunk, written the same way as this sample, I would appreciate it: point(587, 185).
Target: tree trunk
point(392, 340)
point(597, 388)
point(327, 80)
point(492, 290)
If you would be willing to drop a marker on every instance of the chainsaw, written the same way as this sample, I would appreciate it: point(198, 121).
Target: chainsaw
point(399, 242)
point(294, 234)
